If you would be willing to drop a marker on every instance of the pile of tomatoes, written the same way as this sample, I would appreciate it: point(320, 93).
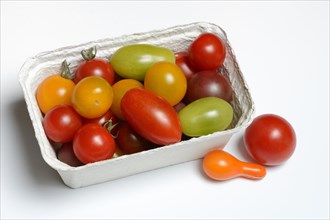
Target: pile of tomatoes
point(143, 97)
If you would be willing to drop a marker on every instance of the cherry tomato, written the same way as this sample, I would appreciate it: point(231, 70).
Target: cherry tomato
point(129, 141)
point(66, 155)
point(220, 165)
point(133, 61)
point(55, 90)
point(151, 116)
point(93, 143)
point(167, 80)
point(94, 67)
point(61, 123)
point(207, 52)
point(208, 84)
point(119, 90)
point(182, 61)
point(205, 116)
point(92, 97)
point(270, 139)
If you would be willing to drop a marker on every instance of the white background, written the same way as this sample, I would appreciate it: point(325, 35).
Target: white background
point(283, 51)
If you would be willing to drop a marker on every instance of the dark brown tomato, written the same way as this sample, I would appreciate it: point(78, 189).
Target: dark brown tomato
point(208, 84)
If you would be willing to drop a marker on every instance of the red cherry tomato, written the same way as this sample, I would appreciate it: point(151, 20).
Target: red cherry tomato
point(129, 141)
point(208, 84)
point(94, 67)
point(66, 155)
point(61, 123)
point(270, 139)
point(93, 143)
point(182, 61)
point(207, 52)
point(151, 116)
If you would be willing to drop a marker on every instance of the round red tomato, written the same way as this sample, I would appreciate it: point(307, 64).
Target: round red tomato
point(129, 141)
point(92, 66)
point(270, 139)
point(151, 116)
point(61, 122)
point(207, 52)
point(182, 61)
point(93, 143)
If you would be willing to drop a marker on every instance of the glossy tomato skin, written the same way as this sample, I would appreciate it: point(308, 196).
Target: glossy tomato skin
point(93, 143)
point(95, 67)
point(220, 165)
point(208, 84)
point(166, 80)
point(133, 61)
point(119, 90)
point(129, 141)
point(182, 61)
point(61, 122)
point(92, 97)
point(66, 155)
point(151, 116)
point(205, 116)
point(54, 90)
point(207, 52)
point(270, 139)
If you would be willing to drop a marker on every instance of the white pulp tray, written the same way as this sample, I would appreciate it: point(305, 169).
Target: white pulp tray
point(177, 38)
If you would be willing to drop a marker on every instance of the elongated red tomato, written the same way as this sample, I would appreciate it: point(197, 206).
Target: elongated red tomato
point(151, 116)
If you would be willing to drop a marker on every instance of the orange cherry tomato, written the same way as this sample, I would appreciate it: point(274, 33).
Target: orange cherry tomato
point(54, 90)
point(119, 90)
point(220, 165)
point(92, 97)
point(166, 80)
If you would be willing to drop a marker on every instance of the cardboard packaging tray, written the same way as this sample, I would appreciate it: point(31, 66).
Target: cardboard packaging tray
point(177, 38)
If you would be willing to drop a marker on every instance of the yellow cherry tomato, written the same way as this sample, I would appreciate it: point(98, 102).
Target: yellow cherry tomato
point(92, 97)
point(166, 80)
point(119, 90)
point(54, 90)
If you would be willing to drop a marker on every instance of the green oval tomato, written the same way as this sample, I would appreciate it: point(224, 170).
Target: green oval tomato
point(133, 61)
point(205, 116)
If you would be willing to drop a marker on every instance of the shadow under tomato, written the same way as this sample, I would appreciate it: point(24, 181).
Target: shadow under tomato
point(243, 154)
point(40, 172)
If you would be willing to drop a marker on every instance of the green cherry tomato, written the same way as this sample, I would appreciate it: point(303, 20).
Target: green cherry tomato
point(133, 61)
point(205, 116)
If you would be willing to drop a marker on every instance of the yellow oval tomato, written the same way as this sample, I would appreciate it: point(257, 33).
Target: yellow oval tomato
point(54, 90)
point(119, 90)
point(166, 80)
point(92, 97)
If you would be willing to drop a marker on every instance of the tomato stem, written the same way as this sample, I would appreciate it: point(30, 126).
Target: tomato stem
point(66, 73)
point(89, 54)
point(109, 126)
